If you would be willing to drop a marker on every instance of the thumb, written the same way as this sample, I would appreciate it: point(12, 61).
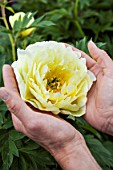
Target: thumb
point(15, 104)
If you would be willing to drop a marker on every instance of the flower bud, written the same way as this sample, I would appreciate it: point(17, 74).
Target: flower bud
point(21, 15)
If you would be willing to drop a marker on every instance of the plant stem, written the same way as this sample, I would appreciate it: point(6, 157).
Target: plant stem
point(7, 26)
point(79, 28)
point(76, 22)
point(76, 9)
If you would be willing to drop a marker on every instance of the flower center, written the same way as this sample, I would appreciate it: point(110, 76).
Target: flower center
point(54, 84)
point(56, 77)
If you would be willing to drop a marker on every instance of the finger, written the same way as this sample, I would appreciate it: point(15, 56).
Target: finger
point(9, 78)
point(100, 56)
point(18, 124)
point(89, 61)
point(16, 105)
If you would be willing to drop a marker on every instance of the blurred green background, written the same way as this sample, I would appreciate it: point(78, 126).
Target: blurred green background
point(71, 21)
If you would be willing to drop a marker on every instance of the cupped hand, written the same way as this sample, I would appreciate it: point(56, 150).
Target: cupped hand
point(99, 112)
point(56, 135)
point(50, 131)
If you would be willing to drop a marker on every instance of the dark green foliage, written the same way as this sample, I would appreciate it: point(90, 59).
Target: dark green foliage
point(71, 21)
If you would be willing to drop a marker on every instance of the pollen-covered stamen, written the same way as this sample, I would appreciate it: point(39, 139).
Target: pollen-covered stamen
point(54, 84)
point(56, 77)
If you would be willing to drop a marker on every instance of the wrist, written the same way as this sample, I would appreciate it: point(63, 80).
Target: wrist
point(76, 155)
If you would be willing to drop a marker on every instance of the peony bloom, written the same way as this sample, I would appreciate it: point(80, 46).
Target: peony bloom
point(53, 77)
point(16, 17)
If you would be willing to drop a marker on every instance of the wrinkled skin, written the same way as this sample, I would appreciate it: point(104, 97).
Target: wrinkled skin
point(100, 98)
point(52, 132)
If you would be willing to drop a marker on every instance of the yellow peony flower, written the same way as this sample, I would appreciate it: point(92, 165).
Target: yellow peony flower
point(53, 77)
point(16, 17)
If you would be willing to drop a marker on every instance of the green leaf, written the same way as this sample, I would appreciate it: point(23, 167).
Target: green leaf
point(3, 109)
point(46, 24)
point(101, 45)
point(109, 146)
point(35, 23)
point(26, 20)
point(7, 124)
point(14, 135)
point(33, 162)
point(5, 166)
point(84, 3)
point(7, 157)
point(1, 119)
point(5, 30)
point(29, 147)
point(10, 159)
point(3, 138)
point(17, 25)
point(86, 126)
point(57, 14)
point(13, 149)
point(82, 45)
point(100, 153)
point(10, 9)
point(23, 163)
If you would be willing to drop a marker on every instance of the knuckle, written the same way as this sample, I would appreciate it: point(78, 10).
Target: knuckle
point(12, 107)
point(96, 69)
point(33, 125)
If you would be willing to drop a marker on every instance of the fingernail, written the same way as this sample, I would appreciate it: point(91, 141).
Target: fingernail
point(4, 94)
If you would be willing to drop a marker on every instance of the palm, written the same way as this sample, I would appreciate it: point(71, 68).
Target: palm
point(100, 102)
point(99, 109)
point(48, 130)
point(100, 98)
